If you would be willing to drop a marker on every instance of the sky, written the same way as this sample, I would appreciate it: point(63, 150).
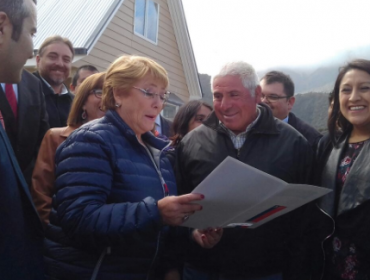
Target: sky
point(269, 33)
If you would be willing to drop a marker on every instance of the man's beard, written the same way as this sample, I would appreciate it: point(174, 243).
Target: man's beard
point(50, 79)
point(55, 82)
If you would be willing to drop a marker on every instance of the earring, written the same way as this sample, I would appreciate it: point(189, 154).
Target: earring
point(117, 105)
point(84, 115)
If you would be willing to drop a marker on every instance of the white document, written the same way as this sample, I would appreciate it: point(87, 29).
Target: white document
point(237, 194)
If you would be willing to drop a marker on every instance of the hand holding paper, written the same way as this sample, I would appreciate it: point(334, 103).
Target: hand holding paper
point(237, 194)
point(173, 209)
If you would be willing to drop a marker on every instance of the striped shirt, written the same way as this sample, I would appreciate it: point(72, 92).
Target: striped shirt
point(238, 140)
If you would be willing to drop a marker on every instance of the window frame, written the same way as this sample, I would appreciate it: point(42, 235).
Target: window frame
point(145, 21)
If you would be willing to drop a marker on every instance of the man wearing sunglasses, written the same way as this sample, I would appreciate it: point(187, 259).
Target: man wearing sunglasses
point(278, 94)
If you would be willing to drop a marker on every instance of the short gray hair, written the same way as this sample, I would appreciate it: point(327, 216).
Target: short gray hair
point(242, 69)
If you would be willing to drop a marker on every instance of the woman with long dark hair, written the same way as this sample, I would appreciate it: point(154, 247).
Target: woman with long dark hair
point(344, 167)
point(190, 116)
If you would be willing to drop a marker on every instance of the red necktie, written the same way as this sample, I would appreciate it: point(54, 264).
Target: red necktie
point(2, 120)
point(10, 95)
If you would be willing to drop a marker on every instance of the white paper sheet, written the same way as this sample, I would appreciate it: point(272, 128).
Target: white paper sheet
point(237, 194)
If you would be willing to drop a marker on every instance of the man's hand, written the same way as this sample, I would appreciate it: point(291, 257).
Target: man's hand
point(208, 238)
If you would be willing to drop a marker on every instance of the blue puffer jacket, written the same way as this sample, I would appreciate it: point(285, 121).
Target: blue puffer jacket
point(107, 192)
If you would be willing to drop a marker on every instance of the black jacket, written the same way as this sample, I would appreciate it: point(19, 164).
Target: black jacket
point(27, 132)
point(351, 214)
point(312, 135)
point(275, 148)
point(57, 106)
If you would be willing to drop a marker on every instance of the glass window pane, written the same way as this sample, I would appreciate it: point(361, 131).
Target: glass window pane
point(169, 111)
point(152, 21)
point(140, 16)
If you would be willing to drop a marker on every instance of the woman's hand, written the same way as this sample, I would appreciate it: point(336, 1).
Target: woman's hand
point(208, 238)
point(176, 209)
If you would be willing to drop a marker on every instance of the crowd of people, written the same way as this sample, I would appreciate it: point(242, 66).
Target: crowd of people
point(95, 183)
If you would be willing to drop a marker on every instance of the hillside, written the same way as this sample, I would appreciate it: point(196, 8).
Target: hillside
point(312, 108)
point(321, 79)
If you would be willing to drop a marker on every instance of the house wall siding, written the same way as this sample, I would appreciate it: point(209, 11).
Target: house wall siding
point(119, 39)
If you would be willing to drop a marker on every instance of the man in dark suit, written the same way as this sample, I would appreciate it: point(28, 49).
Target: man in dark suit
point(163, 126)
point(278, 94)
point(54, 62)
point(21, 233)
point(26, 129)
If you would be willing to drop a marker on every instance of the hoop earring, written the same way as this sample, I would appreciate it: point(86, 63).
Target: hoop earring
point(84, 115)
point(117, 105)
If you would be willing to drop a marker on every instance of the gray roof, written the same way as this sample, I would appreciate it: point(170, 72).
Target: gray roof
point(91, 16)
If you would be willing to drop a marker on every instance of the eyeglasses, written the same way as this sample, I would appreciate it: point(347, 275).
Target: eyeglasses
point(97, 92)
point(273, 97)
point(163, 97)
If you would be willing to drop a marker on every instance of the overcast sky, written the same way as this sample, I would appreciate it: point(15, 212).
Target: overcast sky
point(268, 33)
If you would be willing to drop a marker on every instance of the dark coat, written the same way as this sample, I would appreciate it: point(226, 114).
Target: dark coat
point(26, 134)
point(275, 148)
point(166, 126)
point(21, 232)
point(57, 106)
point(312, 135)
point(107, 193)
point(351, 216)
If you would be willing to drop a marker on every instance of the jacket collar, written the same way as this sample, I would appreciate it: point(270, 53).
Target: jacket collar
point(67, 131)
point(47, 89)
point(147, 137)
point(265, 125)
point(355, 189)
point(292, 120)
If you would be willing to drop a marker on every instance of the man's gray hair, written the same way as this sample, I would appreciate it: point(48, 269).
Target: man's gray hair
point(242, 69)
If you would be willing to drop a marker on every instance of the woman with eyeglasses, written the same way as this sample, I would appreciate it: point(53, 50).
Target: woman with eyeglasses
point(86, 106)
point(116, 191)
point(343, 166)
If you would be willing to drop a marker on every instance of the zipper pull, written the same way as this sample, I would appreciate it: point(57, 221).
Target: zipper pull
point(238, 153)
point(166, 190)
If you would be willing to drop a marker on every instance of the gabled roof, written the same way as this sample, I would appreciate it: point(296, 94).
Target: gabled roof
point(81, 21)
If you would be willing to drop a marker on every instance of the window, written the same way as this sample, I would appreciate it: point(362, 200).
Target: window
point(169, 111)
point(146, 19)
